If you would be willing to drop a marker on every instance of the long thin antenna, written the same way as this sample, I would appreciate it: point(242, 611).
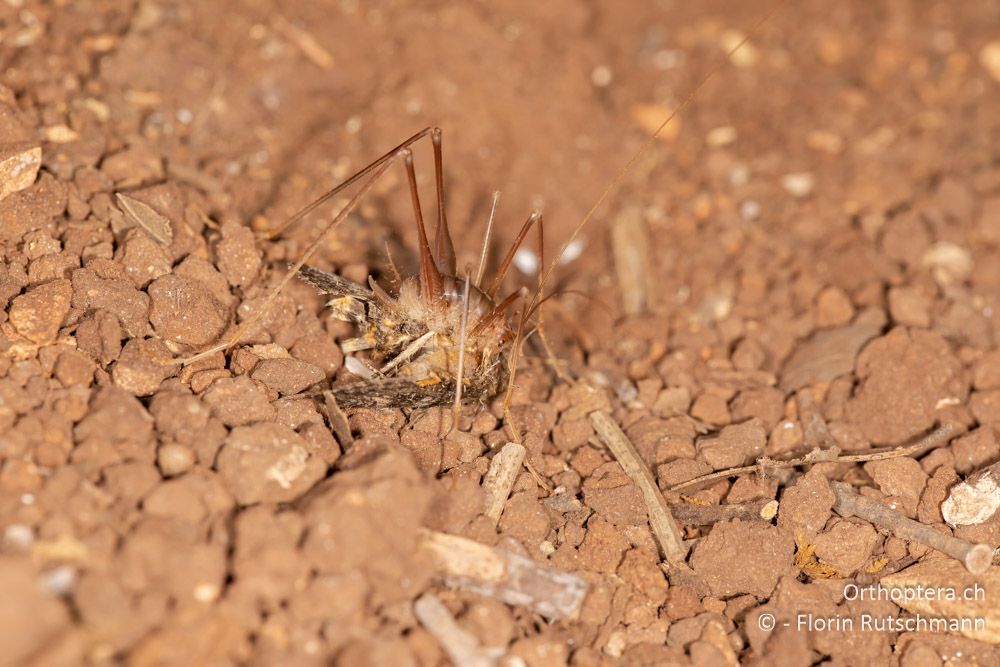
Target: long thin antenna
point(486, 240)
point(624, 171)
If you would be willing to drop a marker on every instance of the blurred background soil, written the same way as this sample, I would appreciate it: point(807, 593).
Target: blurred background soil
point(839, 175)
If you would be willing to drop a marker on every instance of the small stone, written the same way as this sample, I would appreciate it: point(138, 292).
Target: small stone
point(847, 546)
point(910, 307)
point(735, 445)
point(238, 401)
point(19, 164)
point(185, 312)
point(799, 184)
point(989, 58)
point(805, 506)
point(143, 258)
point(833, 308)
point(174, 459)
point(38, 314)
point(268, 463)
point(116, 295)
point(238, 257)
point(143, 365)
point(74, 367)
point(949, 263)
point(743, 557)
point(287, 376)
point(712, 409)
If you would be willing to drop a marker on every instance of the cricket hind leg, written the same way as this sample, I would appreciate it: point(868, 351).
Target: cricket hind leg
point(373, 171)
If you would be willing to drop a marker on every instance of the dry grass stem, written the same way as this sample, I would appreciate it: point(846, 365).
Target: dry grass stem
point(936, 438)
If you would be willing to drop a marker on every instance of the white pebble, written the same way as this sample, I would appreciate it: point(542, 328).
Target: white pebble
point(526, 261)
point(799, 184)
point(60, 580)
point(601, 76)
point(572, 251)
point(18, 536)
point(750, 210)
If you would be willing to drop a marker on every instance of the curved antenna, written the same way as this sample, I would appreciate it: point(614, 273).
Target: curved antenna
point(624, 171)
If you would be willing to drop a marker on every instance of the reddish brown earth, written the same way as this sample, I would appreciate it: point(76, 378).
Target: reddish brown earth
point(824, 216)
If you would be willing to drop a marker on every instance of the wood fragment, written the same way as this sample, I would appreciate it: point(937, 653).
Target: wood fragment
point(936, 438)
point(144, 215)
point(630, 244)
point(499, 479)
point(975, 500)
point(764, 509)
point(975, 557)
point(665, 529)
point(505, 576)
point(461, 646)
point(338, 421)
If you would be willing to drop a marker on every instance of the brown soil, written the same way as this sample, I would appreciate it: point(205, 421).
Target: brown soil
point(824, 218)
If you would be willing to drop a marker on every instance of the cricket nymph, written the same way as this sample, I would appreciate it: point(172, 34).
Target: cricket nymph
point(440, 338)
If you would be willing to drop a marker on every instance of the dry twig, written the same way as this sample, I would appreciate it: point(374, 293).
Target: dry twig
point(461, 646)
point(936, 438)
point(500, 478)
point(668, 535)
point(763, 509)
point(976, 557)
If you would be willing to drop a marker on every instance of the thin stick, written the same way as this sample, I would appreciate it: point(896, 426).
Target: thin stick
point(486, 240)
point(338, 420)
point(763, 509)
point(461, 646)
point(976, 558)
point(499, 479)
point(668, 535)
point(940, 436)
point(310, 251)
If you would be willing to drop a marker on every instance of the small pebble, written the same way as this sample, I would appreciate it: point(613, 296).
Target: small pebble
point(174, 459)
point(798, 184)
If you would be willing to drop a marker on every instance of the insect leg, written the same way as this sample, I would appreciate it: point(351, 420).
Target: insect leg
point(341, 215)
point(431, 287)
point(444, 249)
point(337, 189)
point(505, 265)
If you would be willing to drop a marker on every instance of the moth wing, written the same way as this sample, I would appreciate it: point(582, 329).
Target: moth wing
point(395, 392)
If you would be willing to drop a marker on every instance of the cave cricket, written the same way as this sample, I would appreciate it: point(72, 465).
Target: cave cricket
point(445, 336)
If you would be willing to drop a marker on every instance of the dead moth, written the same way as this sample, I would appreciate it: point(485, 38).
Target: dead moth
point(440, 339)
